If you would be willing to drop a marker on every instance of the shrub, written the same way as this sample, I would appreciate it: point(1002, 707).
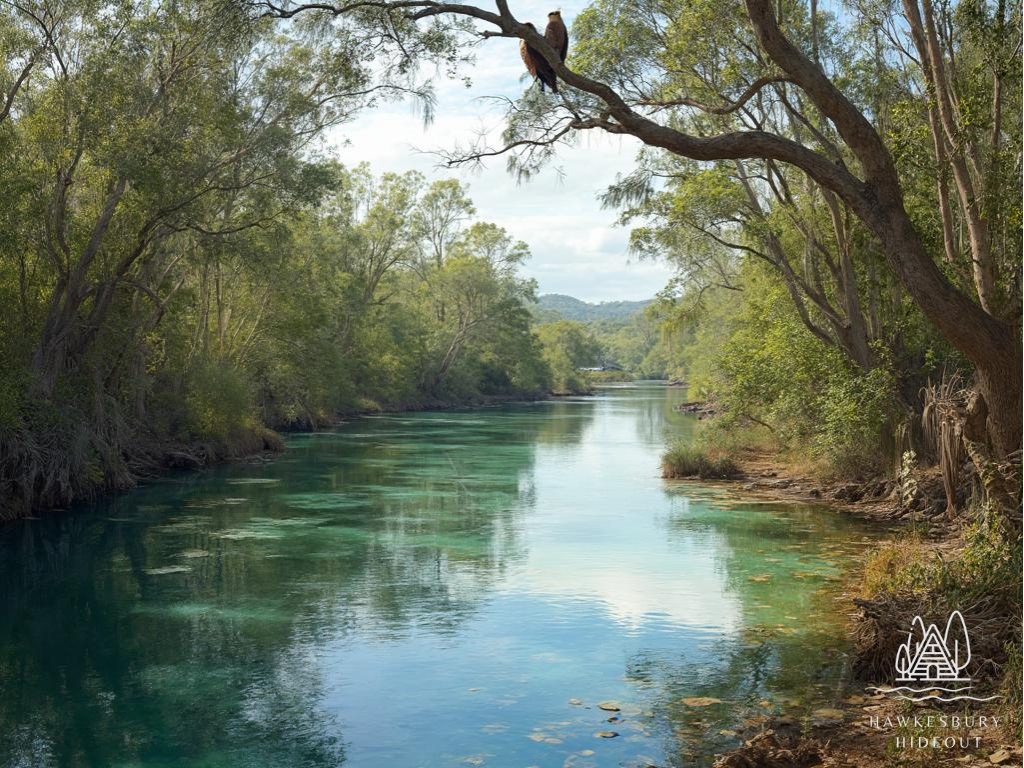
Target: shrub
point(687, 461)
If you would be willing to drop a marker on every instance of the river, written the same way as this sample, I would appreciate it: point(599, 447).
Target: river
point(426, 589)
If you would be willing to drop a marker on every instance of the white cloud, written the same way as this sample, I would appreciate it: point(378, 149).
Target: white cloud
point(576, 247)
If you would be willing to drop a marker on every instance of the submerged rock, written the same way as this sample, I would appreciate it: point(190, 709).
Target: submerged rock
point(167, 569)
point(700, 701)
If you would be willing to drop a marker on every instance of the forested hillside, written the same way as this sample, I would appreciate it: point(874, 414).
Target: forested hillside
point(626, 335)
point(570, 308)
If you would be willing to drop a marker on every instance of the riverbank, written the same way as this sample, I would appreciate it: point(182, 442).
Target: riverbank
point(876, 499)
point(864, 729)
point(155, 456)
point(763, 473)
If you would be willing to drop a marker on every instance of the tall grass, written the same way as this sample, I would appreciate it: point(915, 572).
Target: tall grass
point(687, 461)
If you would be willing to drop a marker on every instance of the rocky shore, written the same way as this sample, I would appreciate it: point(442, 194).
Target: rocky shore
point(877, 499)
point(863, 729)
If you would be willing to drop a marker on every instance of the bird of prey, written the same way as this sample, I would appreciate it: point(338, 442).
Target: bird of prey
point(557, 35)
point(537, 65)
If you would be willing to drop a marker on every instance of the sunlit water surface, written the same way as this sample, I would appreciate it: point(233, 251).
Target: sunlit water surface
point(428, 589)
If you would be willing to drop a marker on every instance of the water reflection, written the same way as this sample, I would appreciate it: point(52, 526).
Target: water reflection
point(420, 589)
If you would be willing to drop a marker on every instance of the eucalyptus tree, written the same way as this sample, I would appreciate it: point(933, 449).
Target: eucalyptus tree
point(568, 347)
point(440, 217)
point(704, 220)
point(480, 289)
point(141, 146)
point(665, 71)
point(153, 128)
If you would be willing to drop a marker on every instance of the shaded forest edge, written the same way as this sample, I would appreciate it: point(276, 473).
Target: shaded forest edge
point(374, 293)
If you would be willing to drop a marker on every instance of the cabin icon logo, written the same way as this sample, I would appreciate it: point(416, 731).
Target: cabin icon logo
point(929, 656)
point(935, 661)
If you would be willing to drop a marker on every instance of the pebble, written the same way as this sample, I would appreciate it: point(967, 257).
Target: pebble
point(609, 706)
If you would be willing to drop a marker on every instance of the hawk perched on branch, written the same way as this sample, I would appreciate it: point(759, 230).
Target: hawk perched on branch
point(557, 35)
point(537, 65)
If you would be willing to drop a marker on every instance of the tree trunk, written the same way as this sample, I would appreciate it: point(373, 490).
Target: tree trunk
point(1000, 384)
point(992, 345)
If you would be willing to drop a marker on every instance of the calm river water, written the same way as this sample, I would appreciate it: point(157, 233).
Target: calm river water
point(428, 589)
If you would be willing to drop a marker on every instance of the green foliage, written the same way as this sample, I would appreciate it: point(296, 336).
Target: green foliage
point(987, 567)
point(629, 334)
point(857, 413)
point(219, 402)
point(180, 267)
point(749, 352)
point(568, 346)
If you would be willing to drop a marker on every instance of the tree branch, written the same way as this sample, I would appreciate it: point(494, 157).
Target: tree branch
point(724, 109)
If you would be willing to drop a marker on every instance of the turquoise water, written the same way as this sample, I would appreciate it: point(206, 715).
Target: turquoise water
point(429, 589)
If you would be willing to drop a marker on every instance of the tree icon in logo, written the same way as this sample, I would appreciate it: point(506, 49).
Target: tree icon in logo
point(927, 655)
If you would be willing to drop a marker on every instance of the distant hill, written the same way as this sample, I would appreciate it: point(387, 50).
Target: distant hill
point(552, 306)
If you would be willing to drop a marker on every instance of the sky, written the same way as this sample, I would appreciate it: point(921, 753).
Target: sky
point(577, 249)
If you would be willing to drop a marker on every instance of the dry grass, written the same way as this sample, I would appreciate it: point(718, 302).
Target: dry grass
point(897, 566)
